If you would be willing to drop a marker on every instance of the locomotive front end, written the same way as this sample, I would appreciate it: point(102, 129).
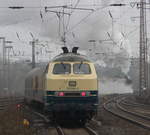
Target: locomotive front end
point(72, 89)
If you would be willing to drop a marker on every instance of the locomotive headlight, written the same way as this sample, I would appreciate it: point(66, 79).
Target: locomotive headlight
point(83, 94)
point(61, 94)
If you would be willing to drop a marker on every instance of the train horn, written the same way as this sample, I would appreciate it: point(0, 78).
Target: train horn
point(75, 49)
point(65, 49)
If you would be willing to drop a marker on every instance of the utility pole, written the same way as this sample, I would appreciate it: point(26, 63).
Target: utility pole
point(143, 80)
point(3, 50)
point(5, 82)
point(3, 62)
point(33, 53)
point(8, 48)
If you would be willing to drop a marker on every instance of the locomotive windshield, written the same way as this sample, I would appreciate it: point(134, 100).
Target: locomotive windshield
point(62, 68)
point(81, 68)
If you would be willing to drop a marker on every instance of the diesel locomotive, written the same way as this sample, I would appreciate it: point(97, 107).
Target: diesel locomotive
point(66, 87)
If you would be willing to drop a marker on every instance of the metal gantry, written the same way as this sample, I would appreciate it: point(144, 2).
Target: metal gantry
point(56, 9)
point(143, 80)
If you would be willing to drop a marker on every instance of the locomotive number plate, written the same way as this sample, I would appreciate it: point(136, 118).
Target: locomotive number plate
point(72, 83)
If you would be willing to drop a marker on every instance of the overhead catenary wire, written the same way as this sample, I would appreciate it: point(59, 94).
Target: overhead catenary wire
point(69, 16)
point(83, 19)
point(72, 10)
point(64, 26)
point(59, 6)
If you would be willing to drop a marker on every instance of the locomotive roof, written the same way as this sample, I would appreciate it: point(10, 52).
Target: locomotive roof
point(70, 57)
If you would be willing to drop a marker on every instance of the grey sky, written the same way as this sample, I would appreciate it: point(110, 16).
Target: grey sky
point(95, 26)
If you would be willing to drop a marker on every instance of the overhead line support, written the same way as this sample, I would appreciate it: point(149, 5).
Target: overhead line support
point(143, 78)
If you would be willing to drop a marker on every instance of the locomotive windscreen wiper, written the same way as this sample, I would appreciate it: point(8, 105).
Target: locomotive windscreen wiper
point(80, 64)
point(63, 65)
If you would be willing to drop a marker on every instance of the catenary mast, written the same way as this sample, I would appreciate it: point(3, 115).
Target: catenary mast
point(143, 80)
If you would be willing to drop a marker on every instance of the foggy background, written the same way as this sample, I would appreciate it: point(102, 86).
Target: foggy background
point(115, 49)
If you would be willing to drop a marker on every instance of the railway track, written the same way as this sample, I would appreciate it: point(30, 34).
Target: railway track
point(75, 131)
point(129, 111)
point(137, 108)
point(8, 101)
point(40, 121)
point(130, 102)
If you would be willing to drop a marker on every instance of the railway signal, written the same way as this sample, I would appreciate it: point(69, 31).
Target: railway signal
point(18, 106)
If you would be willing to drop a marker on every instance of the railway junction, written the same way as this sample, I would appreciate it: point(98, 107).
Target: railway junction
point(34, 92)
point(117, 114)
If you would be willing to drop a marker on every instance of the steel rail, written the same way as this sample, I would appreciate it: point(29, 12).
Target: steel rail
point(136, 107)
point(7, 101)
point(12, 100)
point(131, 112)
point(59, 130)
point(116, 109)
point(1, 98)
point(90, 131)
point(84, 131)
point(98, 123)
point(133, 103)
point(41, 118)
